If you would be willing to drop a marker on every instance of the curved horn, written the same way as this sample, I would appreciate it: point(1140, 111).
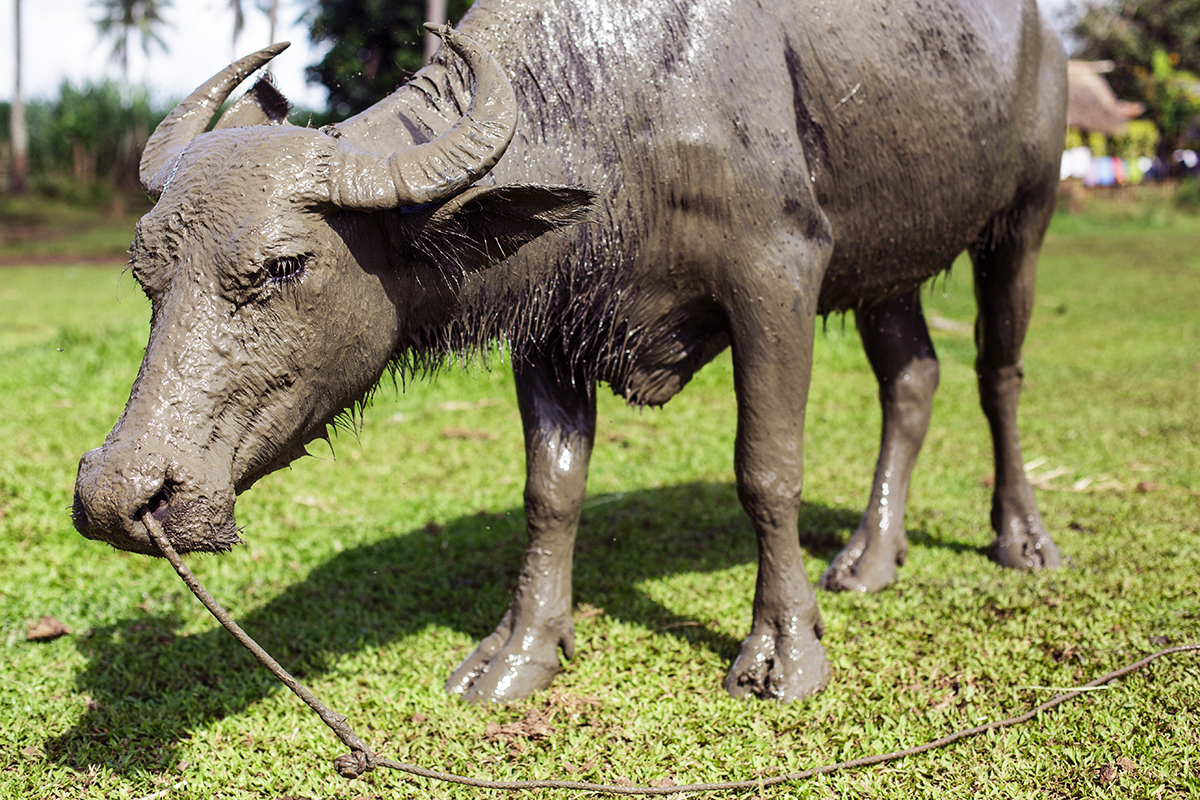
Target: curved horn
point(436, 170)
point(192, 116)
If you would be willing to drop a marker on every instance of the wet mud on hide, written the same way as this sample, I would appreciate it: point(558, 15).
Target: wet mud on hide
point(688, 205)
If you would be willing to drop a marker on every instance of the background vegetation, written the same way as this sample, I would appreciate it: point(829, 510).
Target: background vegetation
point(371, 574)
point(1155, 49)
point(84, 145)
point(373, 47)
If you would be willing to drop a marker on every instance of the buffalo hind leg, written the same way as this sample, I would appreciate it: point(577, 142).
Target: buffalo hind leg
point(771, 332)
point(521, 656)
point(897, 344)
point(1005, 267)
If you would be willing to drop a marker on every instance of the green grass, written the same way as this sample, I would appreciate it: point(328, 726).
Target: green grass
point(370, 575)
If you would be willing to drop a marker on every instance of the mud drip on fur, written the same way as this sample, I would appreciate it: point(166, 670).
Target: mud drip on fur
point(632, 188)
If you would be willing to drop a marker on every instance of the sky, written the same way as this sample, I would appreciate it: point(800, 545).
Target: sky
point(61, 42)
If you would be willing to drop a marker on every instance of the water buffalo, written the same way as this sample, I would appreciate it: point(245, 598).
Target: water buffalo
point(744, 168)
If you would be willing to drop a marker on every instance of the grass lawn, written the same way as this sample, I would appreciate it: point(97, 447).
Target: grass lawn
point(372, 573)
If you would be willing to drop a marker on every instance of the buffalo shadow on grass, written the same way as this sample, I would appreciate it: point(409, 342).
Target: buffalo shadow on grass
point(149, 687)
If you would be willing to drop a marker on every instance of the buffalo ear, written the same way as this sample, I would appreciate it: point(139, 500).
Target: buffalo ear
point(262, 105)
point(482, 226)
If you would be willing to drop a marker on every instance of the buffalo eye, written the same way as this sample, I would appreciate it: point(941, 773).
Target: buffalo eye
point(284, 269)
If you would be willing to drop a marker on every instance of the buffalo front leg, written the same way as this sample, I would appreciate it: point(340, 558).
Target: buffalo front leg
point(782, 658)
point(1004, 283)
point(898, 346)
point(521, 656)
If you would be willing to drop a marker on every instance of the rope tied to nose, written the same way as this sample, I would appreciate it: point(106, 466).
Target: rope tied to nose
point(361, 759)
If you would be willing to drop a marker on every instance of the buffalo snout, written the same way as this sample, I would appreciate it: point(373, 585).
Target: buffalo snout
point(117, 485)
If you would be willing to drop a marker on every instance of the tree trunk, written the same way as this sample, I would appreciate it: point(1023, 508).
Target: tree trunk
point(19, 168)
point(435, 11)
point(272, 10)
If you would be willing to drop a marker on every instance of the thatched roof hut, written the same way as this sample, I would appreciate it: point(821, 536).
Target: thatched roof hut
point(1091, 104)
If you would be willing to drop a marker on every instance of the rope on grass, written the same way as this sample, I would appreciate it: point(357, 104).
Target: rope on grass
point(362, 759)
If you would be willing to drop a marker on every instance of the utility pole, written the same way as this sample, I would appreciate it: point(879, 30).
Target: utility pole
point(19, 168)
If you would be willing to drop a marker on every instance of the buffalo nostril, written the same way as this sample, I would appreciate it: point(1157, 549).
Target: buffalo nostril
point(159, 504)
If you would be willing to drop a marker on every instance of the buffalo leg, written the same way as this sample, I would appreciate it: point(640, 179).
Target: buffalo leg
point(521, 656)
point(771, 332)
point(897, 344)
point(1005, 268)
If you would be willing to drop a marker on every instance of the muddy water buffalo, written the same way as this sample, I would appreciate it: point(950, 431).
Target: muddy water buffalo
point(742, 168)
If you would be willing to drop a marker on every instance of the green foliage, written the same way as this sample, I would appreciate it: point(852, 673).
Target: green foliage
point(1097, 143)
point(1155, 46)
point(374, 45)
point(370, 575)
point(84, 146)
point(1129, 33)
point(1174, 97)
point(96, 131)
point(1140, 140)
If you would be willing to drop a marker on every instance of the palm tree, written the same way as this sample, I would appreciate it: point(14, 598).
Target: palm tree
point(123, 17)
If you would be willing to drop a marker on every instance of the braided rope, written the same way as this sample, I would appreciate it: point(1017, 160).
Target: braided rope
point(361, 759)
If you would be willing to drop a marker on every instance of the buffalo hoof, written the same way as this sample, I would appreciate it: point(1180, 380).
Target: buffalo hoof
point(778, 667)
point(1021, 541)
point(511, 664)
point(865, 565)
point(1025, 545)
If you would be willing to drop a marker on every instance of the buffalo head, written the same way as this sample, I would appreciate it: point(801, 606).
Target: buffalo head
point(286, 268)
